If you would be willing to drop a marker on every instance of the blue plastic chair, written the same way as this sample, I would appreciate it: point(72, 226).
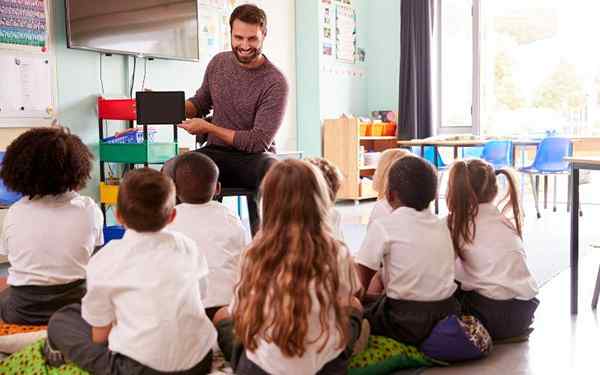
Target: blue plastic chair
point(549, 160)
point(430, 156)
point(498, 153)
point(7, 197)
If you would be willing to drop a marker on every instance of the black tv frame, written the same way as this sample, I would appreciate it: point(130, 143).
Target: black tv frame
point(127, 53)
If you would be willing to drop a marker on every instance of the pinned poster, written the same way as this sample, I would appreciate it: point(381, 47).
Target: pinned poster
point(345, 25)
point(23, 23)
point(27, 88)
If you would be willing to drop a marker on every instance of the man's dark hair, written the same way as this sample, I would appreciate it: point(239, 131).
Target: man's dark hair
point(196, 177)
point(146, 199)
point(249, 13)
point(413, 181)
point(46, 161)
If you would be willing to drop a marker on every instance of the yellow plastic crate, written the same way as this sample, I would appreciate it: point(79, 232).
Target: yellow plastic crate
point(108, 193)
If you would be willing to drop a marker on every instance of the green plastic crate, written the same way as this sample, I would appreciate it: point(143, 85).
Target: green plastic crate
point(138, 153)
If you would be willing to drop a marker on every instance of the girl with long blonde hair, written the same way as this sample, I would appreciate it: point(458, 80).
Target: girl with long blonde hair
point(380, 181)
point(291, 308)
point(497, 286)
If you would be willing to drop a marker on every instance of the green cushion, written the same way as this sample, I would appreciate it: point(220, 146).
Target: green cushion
point(30, 361)
point(384, 355)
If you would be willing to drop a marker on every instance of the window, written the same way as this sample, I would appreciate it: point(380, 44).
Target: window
point(534, 68)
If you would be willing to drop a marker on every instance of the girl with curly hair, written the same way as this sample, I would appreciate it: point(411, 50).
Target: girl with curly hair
point(294, 304)
point(50, 233)
point(333, 177)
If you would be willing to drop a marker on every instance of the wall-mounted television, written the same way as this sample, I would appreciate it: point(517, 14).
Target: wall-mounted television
point(149, 28)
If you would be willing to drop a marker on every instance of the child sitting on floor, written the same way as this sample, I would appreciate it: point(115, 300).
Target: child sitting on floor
point(333, 177)
point(143, 311)
point(380, 181)
point(293, 309)
point(218, 233)
point(497, 286)
point(50, 233)
point(415, 248)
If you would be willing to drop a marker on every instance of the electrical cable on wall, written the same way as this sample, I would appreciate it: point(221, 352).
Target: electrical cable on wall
point(133, 77)
point(101, 81)
point(145, 71)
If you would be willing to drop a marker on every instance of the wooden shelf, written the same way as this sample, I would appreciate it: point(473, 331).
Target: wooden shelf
point(381, 138)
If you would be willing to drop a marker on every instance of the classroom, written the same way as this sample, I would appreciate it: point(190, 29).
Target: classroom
point(299, 187)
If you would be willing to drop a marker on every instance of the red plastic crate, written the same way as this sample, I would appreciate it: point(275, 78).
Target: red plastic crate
point(116, 109)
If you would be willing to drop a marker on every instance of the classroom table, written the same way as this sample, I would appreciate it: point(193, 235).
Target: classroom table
point(577, 163)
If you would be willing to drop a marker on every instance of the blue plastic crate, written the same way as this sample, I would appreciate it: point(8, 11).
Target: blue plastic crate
point(131, 137)
point(113, 232)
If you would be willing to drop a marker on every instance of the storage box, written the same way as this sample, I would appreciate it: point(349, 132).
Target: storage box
point(113, 232)
point(365, 129)
point(389, 129)
point(108, 193)
point(377, 129)
point(133, 136)
point(138, 153)
point(116, 109)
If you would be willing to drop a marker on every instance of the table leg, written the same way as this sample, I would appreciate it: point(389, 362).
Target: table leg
point(574, 237)
point(455, 152)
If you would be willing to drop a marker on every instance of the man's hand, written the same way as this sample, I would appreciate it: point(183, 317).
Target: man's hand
point(196, 126)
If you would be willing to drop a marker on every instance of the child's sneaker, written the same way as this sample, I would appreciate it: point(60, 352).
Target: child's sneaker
point(54, 358)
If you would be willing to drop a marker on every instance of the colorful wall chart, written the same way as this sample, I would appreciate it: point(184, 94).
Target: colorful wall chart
point(23, 22)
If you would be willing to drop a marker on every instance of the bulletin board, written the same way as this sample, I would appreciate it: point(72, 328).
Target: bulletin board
point(27, 68)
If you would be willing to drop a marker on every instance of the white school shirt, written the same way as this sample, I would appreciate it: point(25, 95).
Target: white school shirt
point(269, 357)
point(148, 286)
point(49, 240)
point(495, 264)
point(335, 220)
point(415, 248)
point(382, 208)
point(220, 237)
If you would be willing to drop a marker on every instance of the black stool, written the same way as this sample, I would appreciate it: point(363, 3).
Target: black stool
point(251, 199)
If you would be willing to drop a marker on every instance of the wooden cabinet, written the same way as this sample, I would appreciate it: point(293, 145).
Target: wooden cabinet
point(341, 145)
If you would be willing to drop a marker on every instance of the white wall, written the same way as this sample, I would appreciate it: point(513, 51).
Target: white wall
point(280, 49)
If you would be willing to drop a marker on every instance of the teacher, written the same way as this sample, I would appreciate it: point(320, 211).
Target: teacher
point(247, 95)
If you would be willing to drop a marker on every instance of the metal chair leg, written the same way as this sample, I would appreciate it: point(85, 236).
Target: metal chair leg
point(554, 193)
point(569, 187)
point(535, 184)
point(545, 192)
point(596, 291)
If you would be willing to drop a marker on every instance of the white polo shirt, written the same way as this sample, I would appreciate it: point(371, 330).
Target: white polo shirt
point(381, 208)
point(220, 237)
point(495, 264)
point(49, 240)
point(270, 358)
point(417, 255)
point(148, 286)
point(335, 220)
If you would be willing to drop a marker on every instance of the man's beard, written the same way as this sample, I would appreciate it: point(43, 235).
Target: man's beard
point(247, 59)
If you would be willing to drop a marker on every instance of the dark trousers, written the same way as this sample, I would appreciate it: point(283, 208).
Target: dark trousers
point(237, 170)
point(34, 305)
point(409, 322)
point(503, 319)
point(235, 353)
point(72, 336)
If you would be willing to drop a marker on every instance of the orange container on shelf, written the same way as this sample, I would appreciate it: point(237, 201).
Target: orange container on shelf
point(389, 129)
point(377, 129)
point(364, 128)
point(116, 109)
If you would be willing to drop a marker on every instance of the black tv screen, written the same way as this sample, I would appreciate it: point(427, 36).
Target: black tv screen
point(150, 28)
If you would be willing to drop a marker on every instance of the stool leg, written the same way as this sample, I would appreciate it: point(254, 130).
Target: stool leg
point(252, 201)
point(596, 291)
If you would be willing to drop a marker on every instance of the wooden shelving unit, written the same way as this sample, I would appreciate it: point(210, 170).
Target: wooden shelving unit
point(341, 146)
